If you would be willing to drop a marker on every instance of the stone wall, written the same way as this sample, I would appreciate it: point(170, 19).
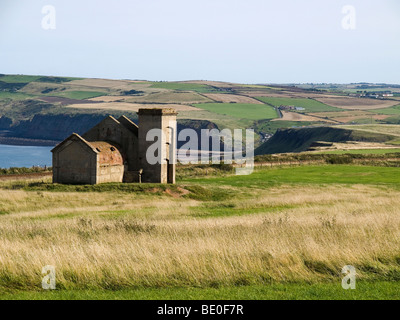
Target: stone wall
point(74, 163)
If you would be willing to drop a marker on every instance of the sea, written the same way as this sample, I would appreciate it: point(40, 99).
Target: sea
point(24, 156)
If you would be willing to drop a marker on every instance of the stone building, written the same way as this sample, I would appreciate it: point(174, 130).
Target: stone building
point(116, 150)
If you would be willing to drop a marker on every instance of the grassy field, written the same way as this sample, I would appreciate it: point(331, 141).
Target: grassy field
point(289, 291)
point(310, 105)
point(18, 78)
point(375, 128)
point(388, 111)
point(171, 97)
point(4, 95)
point(201, 88)
point(240, 110)
point(79, 95)
point(28, 79)
point(362, 151)
point(278, 233)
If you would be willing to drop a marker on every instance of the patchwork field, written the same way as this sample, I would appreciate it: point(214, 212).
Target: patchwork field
point(231, 98)
point(310, 105)
point(294, 116)
point(241, 110)
point(199, 103)
point(131, 107)
point(182, 86)
point(170, 97)
point(389, 111)
point(207, 236)
point(350, 116)
point(393, 130)
point(357, 103)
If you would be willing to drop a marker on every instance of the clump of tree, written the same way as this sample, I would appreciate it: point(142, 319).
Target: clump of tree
point(11, 87)
point(53, 79)
point(132, 92)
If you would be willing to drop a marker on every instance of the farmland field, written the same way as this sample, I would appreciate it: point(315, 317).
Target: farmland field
point(131, 107)
point(14, 96)
point(241, 110)
point(375, 128)
point(228, 98)
point(18, 78)
point(295, 116)
point(350, 103)
point(169, 97)
point(280, 233)
point(79, 95)
point(310, 105)
point(395, 110)
point(181, 86)
point(363, 151)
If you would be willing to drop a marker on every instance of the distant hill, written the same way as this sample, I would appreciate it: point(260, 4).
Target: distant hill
point(300, 139)
point(49, 108)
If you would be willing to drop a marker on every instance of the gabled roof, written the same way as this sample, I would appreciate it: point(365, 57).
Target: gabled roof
point(123, 122)
point(109, 153)
point(129, 124)
point(74, 137)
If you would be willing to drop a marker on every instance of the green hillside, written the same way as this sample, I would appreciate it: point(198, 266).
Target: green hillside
point(310, 105)
point(300, 139)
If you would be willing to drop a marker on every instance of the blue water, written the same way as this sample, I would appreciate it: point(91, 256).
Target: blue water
point(24, 156)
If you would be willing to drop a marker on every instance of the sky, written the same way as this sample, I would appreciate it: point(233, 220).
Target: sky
point(248, 41)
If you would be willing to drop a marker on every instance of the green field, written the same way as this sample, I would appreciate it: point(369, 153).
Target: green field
point(272, 126)
point(201, 88)
point(28, 79)
point(291, 291)
point(4, 95)
point(395, 110)
point(241, 110)
point(326, 174)
point(79, 95)
point(18, 78)
point(362, 151)
point(310, 105)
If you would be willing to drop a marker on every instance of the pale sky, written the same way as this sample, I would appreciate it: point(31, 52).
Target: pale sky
point(248, 41)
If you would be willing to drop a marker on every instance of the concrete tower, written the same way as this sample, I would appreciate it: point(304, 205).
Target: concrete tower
point(157, 157)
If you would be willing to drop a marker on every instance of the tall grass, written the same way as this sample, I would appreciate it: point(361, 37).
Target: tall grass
point(115, 240)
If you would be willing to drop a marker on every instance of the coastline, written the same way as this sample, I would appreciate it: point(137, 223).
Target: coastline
point(14, 141)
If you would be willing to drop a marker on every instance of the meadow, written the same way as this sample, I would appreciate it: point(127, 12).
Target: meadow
point(388, 111)
point(181, 86)
point(4, 95)
point(310, 105)
point(241, 110)
point(280, 233)
point(79, 95)
point(362, 151)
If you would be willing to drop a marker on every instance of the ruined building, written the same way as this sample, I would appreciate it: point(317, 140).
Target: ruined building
point(115, 151)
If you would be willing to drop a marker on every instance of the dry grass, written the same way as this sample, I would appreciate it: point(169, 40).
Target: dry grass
point(391, 129)
point(132, 107)
point(113, 84)
point(357, 103)
point(228, 98)
point(294, 116)
point(104, 240)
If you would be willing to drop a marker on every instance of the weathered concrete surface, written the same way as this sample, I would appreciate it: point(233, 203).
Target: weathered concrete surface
point(163, 149)
point(115, 151)
point(77, 161)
